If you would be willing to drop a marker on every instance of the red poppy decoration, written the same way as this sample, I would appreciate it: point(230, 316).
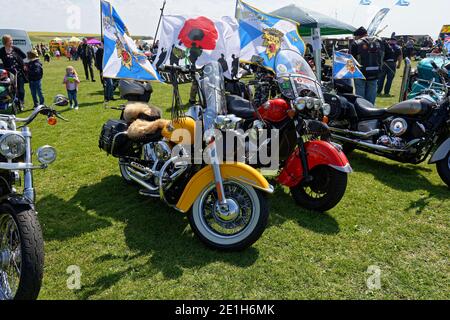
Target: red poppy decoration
point(200, 31)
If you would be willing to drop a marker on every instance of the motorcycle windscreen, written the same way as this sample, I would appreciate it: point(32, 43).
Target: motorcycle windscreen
point(213, 88)
point(295, 76)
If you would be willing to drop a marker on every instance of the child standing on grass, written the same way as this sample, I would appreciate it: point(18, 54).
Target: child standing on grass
point(35, 73)
point(72, 81)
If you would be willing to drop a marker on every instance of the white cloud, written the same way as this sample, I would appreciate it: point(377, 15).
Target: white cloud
point(141, 16)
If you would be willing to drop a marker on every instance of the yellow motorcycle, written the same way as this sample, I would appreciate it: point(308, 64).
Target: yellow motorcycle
point(226, 202)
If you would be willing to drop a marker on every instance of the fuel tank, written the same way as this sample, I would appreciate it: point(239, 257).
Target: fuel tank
point(417, 106)
point(274, 110)
point(180, 131)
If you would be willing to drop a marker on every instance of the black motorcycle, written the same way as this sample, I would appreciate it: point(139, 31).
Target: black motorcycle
point(408, 132)
point(21, 241)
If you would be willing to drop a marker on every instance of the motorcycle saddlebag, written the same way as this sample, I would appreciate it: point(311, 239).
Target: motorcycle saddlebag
point(114, 140)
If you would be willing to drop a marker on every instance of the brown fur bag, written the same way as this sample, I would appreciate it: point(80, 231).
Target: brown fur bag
point(140, 129)
point(140, 110)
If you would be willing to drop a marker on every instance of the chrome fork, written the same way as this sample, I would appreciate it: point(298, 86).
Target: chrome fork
point(28, 173)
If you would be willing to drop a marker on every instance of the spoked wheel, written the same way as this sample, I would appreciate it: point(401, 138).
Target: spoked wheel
point(21, 254)
point(237, 225)
point(443, 168)
point(324, 192)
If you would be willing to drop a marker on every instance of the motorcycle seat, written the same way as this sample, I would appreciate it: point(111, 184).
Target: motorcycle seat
point(240, 107)
point(365, 109)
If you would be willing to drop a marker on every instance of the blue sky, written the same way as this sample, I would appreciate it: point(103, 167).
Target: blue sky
point(141, 16)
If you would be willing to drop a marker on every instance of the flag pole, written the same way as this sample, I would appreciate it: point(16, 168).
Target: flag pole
point(159, 22)
point(101, 23)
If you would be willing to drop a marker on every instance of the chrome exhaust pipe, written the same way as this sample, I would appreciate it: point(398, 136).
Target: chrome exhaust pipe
point(145, 185)
point(359, 134)
point(366, 144)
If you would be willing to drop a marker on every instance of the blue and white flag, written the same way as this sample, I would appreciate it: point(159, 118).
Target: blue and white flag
point(402, 3)
point(122, 59)
point(263, 35)
point(346, 67)
point(365, 2)
point(447, 44)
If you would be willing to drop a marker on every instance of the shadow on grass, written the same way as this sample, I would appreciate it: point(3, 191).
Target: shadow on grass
point(283, 203)
point(151, 229)
point(403, 177)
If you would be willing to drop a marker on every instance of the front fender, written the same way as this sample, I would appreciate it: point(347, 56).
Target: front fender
point(17, 201)
point(318, 153)
point(441, 152)
point(237, 171)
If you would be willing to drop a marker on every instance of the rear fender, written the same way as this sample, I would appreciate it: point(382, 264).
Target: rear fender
point(236, 171)
point(441, 152)
point(319, 153)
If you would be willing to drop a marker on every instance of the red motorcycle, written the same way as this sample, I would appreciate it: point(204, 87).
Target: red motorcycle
point(314, 169)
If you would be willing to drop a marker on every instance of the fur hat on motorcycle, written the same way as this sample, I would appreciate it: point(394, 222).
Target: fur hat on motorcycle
point(61, 101)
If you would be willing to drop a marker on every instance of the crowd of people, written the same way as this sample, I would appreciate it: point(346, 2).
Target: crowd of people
point(28, 69)
point(380, 59)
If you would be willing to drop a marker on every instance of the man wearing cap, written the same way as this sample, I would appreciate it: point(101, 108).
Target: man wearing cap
point(369, 52)
point(392, 61)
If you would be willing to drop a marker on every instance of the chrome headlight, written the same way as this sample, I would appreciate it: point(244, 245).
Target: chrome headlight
point(317, 104)
point(326, 109)
point(310, 103)
point(300, 103)
point(228, 122)
point(12, 145)
point(46, 155)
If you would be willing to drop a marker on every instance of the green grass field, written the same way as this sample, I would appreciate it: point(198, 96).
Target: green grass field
point(393, 216)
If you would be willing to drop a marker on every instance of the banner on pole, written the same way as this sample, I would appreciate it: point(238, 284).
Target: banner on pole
point(122, 59)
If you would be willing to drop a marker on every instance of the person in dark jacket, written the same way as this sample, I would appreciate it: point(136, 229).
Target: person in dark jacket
point(86, 53)
point(392, 61)
point(35, 73)
point(369, 52)
point(12, 59)
point(108, 85)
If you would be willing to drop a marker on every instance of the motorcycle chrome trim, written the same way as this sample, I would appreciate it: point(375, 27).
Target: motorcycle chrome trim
point(148, 172)
point(138, 175)
point(144, 184)
point(270, 189)
point(163, 187)
point(441, 152)
point(359, 134)
point(21, 166)
point(346, 169)
point(367, 145)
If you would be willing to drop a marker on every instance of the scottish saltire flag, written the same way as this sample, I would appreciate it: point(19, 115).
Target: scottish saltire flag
point(375, 24)
point(402, 3)
point(263, 35)
point(186, 41)
point(122, 59)
point(447, 44)
point(365, 2)
point(346, 67)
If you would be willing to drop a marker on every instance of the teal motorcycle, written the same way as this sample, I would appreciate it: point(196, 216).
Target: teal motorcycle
point(426, 78)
